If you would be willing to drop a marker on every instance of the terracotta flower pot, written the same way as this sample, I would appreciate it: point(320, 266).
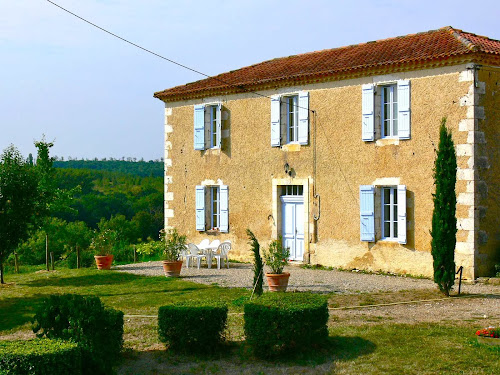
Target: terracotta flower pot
point(277, 281)
point(103, 262)
point(172, 269)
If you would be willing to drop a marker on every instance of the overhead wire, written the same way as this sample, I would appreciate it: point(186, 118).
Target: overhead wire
point(241, 87)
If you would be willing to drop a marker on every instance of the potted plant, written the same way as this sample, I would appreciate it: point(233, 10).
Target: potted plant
point(276, 258)
point(174, 245)
point(102, 245)
point(490, 336)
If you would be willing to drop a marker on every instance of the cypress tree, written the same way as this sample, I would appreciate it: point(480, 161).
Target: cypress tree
point(444, 222)
point(258, 266)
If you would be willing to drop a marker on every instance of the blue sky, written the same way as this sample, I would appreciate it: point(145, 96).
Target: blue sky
point(93, 93)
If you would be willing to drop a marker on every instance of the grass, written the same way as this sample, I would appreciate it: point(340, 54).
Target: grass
point(377, 346)
point(130, 293)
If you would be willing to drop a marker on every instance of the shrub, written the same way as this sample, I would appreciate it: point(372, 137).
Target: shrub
point(40, 357)
point(277, 322)
point(444, 221)
point(150, 249)
point(192, 326)
point(124, 253)
point(277, 256)
point(97, 330)
point(174, 244)
point(257, 263)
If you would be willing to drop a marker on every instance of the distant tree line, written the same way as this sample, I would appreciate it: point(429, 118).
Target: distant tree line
point(132, 166)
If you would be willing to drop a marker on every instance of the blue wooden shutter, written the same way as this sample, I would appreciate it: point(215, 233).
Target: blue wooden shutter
point(303, 117)
point(219, 124)
point(200, 208)
point(199, 127)
point(404, 109)
point(224, 208)
point(367, 113)
point(367, 214)
point(402, 214)
point(275, 120)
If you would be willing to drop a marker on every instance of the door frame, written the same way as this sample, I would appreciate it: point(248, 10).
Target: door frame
point(276, 210)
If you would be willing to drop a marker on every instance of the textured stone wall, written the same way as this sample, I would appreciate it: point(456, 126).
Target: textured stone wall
point(249, 165)
point(487, 157)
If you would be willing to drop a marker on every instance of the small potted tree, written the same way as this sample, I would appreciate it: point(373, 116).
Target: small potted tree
point(276, 258)
point(102, 245)
point(174, 245)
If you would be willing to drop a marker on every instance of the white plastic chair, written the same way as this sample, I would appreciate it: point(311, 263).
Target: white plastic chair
point(222, 253)
point(186, 255)
point(210, 250)
point(196, 253)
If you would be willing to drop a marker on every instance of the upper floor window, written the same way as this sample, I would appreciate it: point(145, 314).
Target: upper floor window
point(386, 111)
point(215, 130)
point(290, 119)
point(389, 111)
point(207, 126)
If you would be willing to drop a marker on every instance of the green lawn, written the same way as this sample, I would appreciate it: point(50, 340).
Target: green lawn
point(372, 348)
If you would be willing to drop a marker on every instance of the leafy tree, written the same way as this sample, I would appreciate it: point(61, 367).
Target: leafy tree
point(126, 231)
point(18, 195)
point(444, 222)
point(258, 276)
point(46, 181)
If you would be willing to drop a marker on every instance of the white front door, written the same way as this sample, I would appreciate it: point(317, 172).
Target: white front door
point(292, 216)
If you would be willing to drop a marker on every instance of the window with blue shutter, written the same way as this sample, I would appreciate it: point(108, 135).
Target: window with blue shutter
point(200, 208)
point(224, 208)
point(303, 117)
point(367, 113)
point(404, 109)
point(367, 212)
point(218, 126)
point(275, 120)
point(402, 214)
point(199, 127)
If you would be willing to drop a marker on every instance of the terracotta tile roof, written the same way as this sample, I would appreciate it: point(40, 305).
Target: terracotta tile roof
point(445, 46)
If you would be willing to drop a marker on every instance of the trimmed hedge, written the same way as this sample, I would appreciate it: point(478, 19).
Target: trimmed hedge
point(97, 330)
point(40, 357)
point(192, 326)
point(284, 322)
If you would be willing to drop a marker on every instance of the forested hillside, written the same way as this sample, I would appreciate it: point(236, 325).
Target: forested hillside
point(123, 199)
point(139, 168)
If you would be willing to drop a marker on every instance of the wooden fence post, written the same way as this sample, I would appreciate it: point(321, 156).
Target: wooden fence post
point(47, 252)
point(52, 260)
point(78, 264)
point(16, 262)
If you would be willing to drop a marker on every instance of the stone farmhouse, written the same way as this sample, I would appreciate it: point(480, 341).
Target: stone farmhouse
point(334, 150)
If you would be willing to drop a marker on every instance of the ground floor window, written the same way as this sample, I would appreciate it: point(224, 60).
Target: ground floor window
point(215, 207)
point(212, 207)
point(292, 190)
point(390, 213)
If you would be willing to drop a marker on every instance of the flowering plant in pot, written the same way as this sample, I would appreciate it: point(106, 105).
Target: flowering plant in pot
point(175, 244)
point(102, 245)
point(489, 336)
point(276, 257)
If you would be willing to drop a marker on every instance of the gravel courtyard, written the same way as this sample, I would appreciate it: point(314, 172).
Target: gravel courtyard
point(240, 275)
